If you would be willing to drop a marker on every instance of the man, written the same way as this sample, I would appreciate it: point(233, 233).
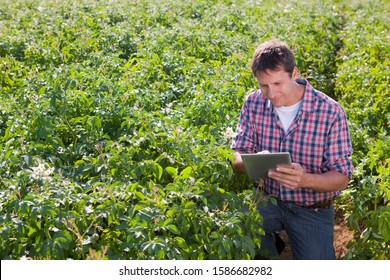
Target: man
point(288, 115)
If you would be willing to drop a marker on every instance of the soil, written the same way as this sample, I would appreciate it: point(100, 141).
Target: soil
point(342, 236)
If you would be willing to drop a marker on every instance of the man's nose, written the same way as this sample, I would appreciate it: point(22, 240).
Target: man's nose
point(271, 92)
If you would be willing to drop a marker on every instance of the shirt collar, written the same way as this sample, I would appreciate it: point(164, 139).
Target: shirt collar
point(308, 103)
point(308, 97)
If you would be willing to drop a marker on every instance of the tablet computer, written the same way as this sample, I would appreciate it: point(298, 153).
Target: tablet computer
point(257, 165)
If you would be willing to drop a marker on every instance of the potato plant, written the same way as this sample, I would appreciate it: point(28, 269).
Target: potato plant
point(363, 81)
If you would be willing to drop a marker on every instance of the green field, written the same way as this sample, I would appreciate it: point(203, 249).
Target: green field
point(116, 119)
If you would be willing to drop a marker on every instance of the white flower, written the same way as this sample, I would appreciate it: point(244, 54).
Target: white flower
point(228, 134)
point(42, 172)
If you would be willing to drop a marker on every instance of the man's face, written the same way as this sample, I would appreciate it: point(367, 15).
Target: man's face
point(278, 87)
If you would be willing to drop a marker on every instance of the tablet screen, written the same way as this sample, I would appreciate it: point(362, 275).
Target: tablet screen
point(257, 165)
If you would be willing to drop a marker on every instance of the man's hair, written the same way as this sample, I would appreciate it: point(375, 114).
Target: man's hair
point(273, 55)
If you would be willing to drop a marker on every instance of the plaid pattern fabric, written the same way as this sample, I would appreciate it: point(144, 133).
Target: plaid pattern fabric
point(318, 139)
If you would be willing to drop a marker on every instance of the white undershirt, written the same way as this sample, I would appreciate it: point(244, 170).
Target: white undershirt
point(287, 114)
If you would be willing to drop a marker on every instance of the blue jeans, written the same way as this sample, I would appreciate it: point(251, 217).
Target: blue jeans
point(310, 231)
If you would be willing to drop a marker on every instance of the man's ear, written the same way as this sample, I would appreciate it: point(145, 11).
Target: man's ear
point(295, 73)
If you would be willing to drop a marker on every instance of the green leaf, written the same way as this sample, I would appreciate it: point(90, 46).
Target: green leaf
point(186, 172)
point(190, 205)
point(171, 171)
point(157, 170)
point(167, 222)
point(172, 228)
point(181, 243)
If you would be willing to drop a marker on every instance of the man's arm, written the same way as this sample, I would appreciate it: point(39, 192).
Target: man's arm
point(296, 177)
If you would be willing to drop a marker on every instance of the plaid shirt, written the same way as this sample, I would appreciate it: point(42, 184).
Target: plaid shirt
point(318, 139)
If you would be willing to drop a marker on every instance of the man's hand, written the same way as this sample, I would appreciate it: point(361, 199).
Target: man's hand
point(290, 177)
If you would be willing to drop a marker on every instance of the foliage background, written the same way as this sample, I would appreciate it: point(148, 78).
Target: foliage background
point(116, 119)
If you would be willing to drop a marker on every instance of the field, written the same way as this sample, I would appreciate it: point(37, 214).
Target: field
point(116, 118)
